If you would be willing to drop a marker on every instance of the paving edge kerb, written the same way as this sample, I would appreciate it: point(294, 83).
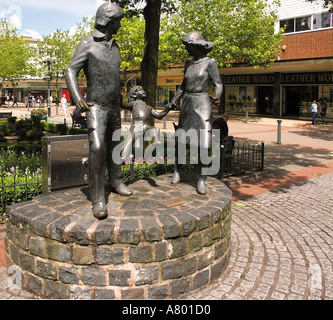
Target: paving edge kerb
point(160, 243)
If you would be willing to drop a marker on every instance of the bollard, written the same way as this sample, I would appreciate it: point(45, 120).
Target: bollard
point(164, 122)
point(279, 132)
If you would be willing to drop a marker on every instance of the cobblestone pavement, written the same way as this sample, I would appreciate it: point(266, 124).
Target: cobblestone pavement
point(282, 246)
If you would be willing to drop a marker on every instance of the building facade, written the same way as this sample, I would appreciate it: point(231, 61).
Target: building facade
point(302, 73)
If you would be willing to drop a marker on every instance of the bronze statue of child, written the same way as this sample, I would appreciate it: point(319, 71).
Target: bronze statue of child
point(141, 118)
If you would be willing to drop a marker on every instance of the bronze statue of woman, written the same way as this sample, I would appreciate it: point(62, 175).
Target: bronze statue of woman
point(196, 110)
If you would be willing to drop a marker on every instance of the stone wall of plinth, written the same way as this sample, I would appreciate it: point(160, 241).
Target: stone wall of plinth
point(160, 243)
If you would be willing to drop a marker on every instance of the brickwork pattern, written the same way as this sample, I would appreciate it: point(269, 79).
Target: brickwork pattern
point(147, 248)
point(282, 246)
point(318, 44)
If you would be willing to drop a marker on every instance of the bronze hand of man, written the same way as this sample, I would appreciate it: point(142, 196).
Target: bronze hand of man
point(83, 106)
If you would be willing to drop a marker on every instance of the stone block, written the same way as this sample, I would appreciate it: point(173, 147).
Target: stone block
point(119, 278)
point(189, 223)
point(161, 251)
point(34, 284)
point(172, 269)
point(146, 275)
point(205, 259)
point(204, 218)
point(40, 224)
point(200, 279)
point(177, 247)
point(57, 228)
point(46, 270)
point(107, 255)
point(69, 275)
point(37, 246)
point(216, 270)
point(55, 290)
point(83, 255)
point(180, 287)
point(195, 242)
point(107, 294)
point(170, 228)
point(80, 293)
point(93, 277)
point(58, 252)
point(27, 262)
point(104, 233)
point(141, 254)
point(158, 292)
point(151, 229)
point(211, 235)
point(190, 266)
point(132, 294)
point(129, 231)
point(78, 233)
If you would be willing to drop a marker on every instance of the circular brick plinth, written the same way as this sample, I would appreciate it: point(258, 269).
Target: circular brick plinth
point(160, 243)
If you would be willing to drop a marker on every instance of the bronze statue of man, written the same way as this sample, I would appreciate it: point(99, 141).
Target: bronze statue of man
point(99, 56)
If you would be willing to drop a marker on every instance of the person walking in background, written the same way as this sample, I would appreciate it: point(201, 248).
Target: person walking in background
point(63, 102)
point(14, 101)
point(314, 111)
point(323, 111)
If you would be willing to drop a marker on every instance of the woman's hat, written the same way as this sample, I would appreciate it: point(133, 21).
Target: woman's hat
point(195, 38)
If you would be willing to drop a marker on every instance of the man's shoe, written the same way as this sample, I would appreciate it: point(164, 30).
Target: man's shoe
point(201, 186)
point(122, 189)
point(100, 211)
point(175, 177)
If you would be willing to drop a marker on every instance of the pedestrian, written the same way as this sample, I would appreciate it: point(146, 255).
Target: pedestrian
point(314, 111)
point(14, 101)
point(323, 111)
point(63, 102)
point(26, 101)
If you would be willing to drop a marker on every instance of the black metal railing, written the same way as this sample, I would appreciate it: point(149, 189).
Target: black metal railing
point(19, 186)
point(244, 157)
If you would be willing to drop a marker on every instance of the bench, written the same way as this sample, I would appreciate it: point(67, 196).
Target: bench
point(5, 114)
point(79, 121)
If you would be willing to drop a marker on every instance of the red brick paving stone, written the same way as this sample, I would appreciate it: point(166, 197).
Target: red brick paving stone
point(247, 190)
point(3, 262)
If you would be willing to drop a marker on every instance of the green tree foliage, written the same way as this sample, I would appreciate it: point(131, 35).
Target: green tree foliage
point(15, 54)
point(242, 31)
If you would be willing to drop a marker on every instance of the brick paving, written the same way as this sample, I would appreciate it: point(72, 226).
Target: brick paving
point(282, 246)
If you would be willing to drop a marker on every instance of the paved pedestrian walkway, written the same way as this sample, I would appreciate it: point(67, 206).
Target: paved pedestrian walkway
point(282, 246)
point(282, 229)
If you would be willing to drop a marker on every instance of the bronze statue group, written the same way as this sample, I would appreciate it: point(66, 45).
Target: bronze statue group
point(99, 56)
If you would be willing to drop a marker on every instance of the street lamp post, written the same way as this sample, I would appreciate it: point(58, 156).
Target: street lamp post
point(48, 60)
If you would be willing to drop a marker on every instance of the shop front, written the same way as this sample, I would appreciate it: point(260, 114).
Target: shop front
point(248, 93)
point(166, 89)
point(299, 90)
point(278, 94)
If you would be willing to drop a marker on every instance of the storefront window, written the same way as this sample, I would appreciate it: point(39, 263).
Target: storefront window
point(326, 93)
point(240, 98)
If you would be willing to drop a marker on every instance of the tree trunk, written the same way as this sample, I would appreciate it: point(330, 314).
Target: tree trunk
point(149, 63)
